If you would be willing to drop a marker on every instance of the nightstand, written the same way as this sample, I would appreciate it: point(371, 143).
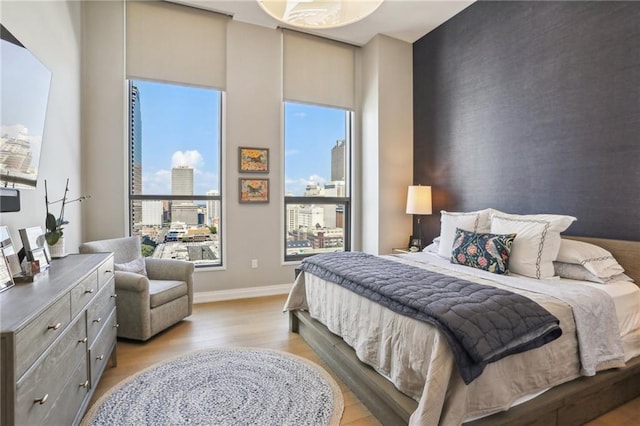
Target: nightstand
point(400, 250)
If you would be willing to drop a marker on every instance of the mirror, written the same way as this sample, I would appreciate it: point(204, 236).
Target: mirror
point(25, 83)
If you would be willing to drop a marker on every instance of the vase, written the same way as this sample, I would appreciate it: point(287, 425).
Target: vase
point(57, 249)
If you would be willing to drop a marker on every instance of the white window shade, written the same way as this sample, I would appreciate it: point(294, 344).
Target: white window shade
point(318, 71)
point(169, 42)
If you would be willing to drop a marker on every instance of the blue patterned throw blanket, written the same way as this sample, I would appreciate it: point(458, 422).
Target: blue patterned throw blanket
point(481, 323)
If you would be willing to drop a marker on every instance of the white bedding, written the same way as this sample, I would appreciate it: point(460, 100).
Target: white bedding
point(625, 295)
point(416, 358)
point(626, 299)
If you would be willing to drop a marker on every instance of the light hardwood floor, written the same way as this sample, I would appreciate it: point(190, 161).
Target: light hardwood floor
point(259, 323)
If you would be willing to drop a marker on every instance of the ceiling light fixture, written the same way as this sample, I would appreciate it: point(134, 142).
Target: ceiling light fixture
point(319, 14)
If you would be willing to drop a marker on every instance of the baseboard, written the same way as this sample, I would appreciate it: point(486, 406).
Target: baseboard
point(240, 293)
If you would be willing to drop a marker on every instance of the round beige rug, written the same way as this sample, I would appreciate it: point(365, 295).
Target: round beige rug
point(227, 386)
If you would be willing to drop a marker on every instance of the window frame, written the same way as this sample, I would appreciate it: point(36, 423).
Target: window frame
point(347, 200)
point(155, 197)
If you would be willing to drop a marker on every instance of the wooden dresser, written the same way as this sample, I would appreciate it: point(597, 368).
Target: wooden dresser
point(57, 336)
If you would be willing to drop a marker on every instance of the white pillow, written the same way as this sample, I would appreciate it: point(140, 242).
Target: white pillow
point(537, 241)
point(136, 266)
point(597, 260)
point(478, 221)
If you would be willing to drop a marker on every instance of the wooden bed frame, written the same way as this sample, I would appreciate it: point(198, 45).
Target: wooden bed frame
point(572, 403)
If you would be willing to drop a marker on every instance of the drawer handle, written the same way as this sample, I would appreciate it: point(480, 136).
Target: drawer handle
point(100, 357)
point(54, 326)
point(108, 271)
point(41, 400)
point(97, 320)
point(85, 384)
point(114, 296)
point(85, 340)
point(88, 291)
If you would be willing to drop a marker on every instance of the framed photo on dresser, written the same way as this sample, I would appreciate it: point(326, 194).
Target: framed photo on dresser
point(9, 251)
point(40, 257)
point(6, 278)
point(32, 239)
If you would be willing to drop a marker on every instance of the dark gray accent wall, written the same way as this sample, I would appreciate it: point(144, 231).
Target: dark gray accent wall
point(533, 107)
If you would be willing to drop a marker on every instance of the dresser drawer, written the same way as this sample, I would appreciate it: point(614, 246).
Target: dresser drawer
point(98, 311)
point(65, 409)
point(105, 272)
point(32, 340)
point(101, 349)
point(37, 390)
point(83, 292)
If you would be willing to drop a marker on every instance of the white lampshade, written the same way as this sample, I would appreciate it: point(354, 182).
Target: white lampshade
point(319, 14)
point(419, 200)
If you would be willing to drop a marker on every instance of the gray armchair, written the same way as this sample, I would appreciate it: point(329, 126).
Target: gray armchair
point(147, 304)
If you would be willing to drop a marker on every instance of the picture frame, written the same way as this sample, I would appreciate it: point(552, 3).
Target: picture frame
point(9, 251)
point(6, 279)
point(33, 238)
point(414, 243)
point(254, 190)
point(40, 256)
point(253, 160)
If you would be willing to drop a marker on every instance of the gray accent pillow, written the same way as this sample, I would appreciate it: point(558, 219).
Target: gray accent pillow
point(574, 271)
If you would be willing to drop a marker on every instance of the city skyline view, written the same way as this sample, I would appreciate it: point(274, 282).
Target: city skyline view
point(180, 128)
point(175, 151)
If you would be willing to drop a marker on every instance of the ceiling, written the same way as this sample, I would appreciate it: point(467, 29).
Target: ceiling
point(406, 20)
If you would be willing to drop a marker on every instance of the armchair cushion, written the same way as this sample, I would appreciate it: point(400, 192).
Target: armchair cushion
point(164, 291)
point(137, 266)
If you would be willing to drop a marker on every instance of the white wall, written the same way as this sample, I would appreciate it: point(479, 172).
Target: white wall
point(104, 120)
point(253, 116)
point(387, 143)
point(51, 31)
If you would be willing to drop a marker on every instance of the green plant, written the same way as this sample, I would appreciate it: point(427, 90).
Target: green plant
point(53, 224)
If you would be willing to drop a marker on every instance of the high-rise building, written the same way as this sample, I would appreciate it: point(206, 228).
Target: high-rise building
point(182, 184)
point(184, 212)
point(311, 217)
point(213, 210)
point(135, 154)
point(313, 190)
point(337, 161)
point(151, 213)
point(182, 181)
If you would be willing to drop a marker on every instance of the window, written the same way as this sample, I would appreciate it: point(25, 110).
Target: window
point(317, 191)
point(175, 181)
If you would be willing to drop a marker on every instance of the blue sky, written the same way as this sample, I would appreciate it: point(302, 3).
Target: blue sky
point(310, 133)
point(180, 127)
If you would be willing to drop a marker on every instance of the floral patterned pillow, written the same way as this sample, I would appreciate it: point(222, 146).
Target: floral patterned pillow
point(489, 252)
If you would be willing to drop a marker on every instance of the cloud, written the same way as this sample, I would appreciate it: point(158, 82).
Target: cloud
point(191, 159)
point(291, 152)
point(297, 186)
point(316, 179)
point(158, 182)
point(206, 182)
point(300, 115)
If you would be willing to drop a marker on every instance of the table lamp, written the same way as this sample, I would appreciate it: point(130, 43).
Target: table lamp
point(419, 203)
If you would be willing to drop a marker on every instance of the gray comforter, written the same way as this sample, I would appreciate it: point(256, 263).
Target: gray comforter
point(481, 323)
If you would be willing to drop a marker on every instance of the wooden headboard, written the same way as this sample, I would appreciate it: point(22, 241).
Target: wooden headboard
point(627, 253)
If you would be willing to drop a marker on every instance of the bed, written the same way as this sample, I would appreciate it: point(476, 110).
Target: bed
point(440, 396)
